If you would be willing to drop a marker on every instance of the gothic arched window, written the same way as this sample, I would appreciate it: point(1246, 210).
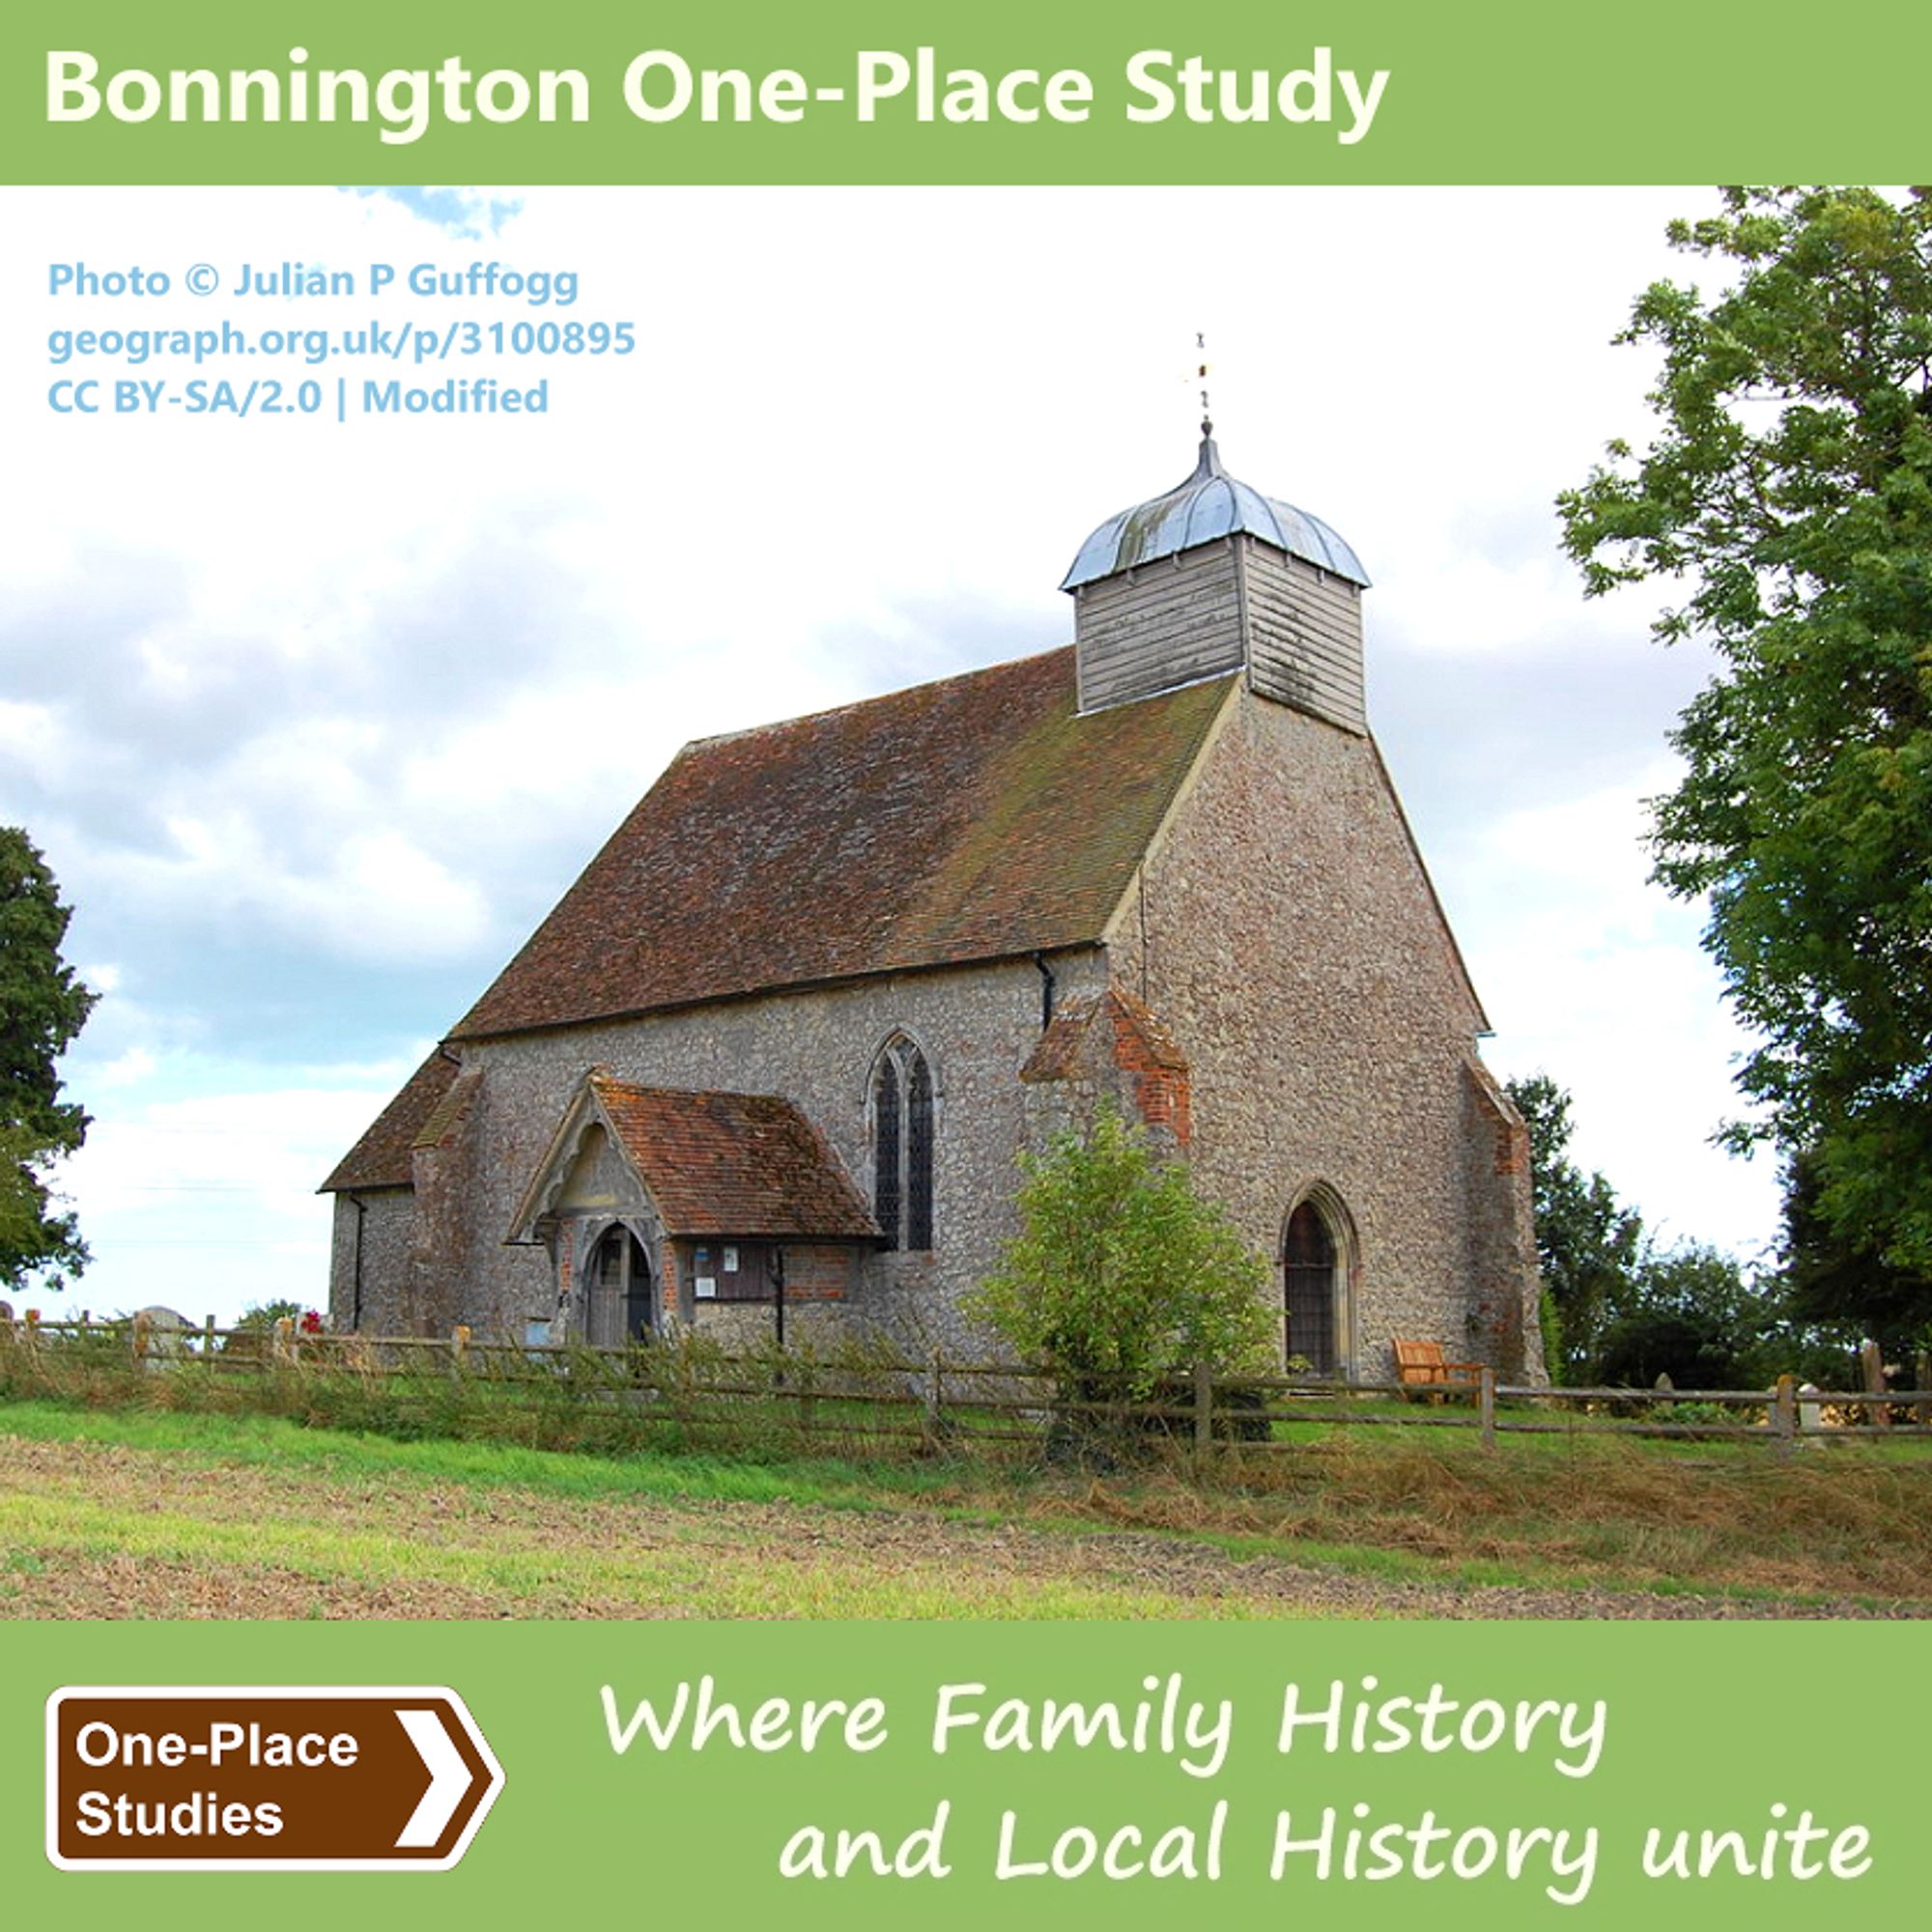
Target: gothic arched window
point(903, 1145)
point(1319, 1254)
point(1308, 1256)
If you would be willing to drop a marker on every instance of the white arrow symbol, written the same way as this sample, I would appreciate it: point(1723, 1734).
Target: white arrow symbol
point(448, 1778)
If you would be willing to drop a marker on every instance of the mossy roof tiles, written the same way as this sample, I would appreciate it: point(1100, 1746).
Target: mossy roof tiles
point(980, 817)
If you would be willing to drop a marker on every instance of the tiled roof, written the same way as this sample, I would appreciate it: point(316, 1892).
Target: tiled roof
point(975, 818)
point(446, 1117)
point(380, 1158)
point(734, 1164)
point(1137, 1038)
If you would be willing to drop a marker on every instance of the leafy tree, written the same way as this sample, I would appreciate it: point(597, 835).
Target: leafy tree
point(1627, 1311)
point(1789, 489)
point(1849, 1285)
point(1687, 1313)
point(1587, 1241)
point(43, 1006)
point(1122, 1275)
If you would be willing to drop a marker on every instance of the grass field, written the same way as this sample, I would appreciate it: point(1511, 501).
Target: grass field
point(136, 1513)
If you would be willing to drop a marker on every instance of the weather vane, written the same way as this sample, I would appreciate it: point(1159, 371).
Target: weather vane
point(1201, 349)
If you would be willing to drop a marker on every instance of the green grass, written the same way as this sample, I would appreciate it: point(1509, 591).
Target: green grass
point(334, 1455)
point(1385, 1505)
point(163, 1514)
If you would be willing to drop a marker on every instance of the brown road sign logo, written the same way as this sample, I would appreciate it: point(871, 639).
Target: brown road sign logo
point(257, 1780)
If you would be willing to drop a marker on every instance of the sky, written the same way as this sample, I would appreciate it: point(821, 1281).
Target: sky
point(315, 720)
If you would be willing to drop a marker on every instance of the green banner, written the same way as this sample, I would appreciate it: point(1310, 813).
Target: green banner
point(858, 90)
point(1482, 1775)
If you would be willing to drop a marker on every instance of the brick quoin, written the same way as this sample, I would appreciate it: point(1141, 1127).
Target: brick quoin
point(668, 1282)
point(1162, 1093)
point(1163, 1100)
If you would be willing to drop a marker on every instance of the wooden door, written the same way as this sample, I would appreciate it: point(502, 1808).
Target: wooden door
point(619, 1305)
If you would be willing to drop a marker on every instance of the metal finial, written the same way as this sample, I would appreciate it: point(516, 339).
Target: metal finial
point(1209, 463)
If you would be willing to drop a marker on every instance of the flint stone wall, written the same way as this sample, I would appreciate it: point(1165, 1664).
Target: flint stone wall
point(1293, 946)
point(389, 1224)
point(975, 1025)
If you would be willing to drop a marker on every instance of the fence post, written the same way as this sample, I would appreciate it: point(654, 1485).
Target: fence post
point(459, 1349)
point(208, 1341)
point(137, 1337)
point(936, 1399)
point(285, 1339)
point(683, 1378)
point(807, 1400)
point(1784, 1412)
point(1871, 1360)
point(1486, 1403)
point(1204, 1405)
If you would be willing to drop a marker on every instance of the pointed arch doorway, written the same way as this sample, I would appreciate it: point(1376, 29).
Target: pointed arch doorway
point(619, 1307)
point(1317, 1255)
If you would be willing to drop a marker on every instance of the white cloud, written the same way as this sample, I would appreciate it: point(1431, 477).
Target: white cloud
point(208, 1204)
point(1595, 977)
point(129, 1069)
point(30, 736)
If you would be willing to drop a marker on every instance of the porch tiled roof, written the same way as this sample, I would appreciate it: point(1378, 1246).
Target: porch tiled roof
point(747, 1164)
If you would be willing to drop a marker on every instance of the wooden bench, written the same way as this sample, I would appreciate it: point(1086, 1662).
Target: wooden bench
point(1420, 1365)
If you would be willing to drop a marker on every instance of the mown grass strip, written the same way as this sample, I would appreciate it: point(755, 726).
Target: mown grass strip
point(274, 1441)
point(257, 1532)
point(1846, 1523)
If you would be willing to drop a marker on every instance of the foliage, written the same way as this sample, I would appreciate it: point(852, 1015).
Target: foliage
point(1694, 1314)
point(43, 1006)
point(1849, 1285)
point(259, 1318)
point(23, 1201)
point(1789, 487)
point(1587, 1241)
point(1549, 1327)
point(1619, 1310)
point(1687, 1313)
point(1121, 1272)
point(251, 1331)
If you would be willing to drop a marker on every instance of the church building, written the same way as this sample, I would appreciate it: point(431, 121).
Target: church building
point(768, 1065)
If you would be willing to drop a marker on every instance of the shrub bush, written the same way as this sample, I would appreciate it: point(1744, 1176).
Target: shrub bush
point(1122, 1278)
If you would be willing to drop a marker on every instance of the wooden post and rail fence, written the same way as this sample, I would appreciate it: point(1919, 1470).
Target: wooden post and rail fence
point(939, 1401)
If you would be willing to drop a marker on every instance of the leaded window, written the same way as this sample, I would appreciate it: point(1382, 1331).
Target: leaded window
point(1309, 1283)
point(903, 1145)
